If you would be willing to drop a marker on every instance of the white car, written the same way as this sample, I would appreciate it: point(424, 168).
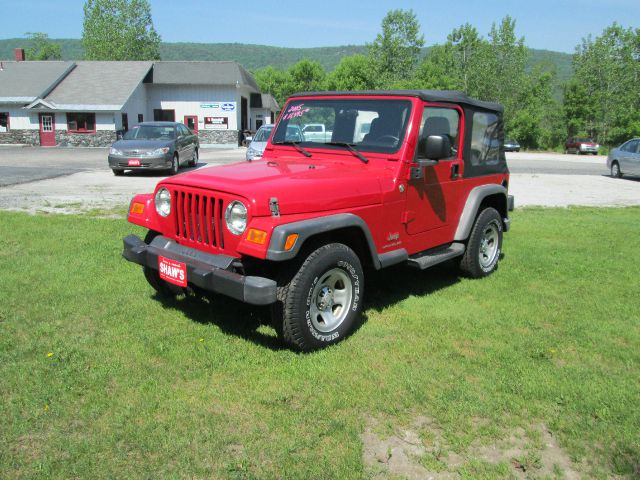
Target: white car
point(259, 142)
point(625, 160)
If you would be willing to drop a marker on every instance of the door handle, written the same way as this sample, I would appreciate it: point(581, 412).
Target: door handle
point(455, 171)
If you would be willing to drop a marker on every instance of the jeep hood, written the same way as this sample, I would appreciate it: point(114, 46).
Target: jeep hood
point(301, 186)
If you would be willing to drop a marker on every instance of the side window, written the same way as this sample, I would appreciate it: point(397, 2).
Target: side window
point(631, 146)
point(485, 142)
point(441, 121)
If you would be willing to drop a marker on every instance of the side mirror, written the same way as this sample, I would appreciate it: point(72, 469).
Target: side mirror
point(434, 147)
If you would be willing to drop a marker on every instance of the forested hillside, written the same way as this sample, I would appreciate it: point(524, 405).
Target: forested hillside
point(253, 57)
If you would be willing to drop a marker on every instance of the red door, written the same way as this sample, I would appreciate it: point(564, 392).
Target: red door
point(191, 121)
point(47, 130)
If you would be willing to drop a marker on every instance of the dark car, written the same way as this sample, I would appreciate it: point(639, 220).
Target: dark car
point(511, 146)
point(154, 146)
point(581, 146)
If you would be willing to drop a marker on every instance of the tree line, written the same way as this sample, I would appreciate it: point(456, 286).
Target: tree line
point(601, 100)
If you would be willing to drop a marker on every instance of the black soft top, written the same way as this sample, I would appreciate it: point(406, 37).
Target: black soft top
point(443, 96)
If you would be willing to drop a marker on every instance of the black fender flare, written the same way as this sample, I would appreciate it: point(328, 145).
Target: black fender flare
point(470, 210)
point(305, 229)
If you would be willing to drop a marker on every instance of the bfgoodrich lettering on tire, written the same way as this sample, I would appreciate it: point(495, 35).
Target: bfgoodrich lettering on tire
point(318, 303)
point(484, 245)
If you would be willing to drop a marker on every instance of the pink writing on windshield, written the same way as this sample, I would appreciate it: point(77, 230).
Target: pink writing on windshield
point(295, 111)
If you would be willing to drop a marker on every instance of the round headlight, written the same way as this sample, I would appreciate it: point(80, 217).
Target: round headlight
point(163, 202)
point(236, 217)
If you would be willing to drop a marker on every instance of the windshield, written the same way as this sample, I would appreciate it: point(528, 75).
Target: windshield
point(262, 135)
point(373, 125)
point(151, 132)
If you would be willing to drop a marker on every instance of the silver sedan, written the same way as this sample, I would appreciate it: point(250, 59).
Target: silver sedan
point(625, 160)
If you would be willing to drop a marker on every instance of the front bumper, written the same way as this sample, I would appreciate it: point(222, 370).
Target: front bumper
point(207, 271)
point(161, 162)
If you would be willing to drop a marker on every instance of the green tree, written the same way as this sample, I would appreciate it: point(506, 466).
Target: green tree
point(462, 45)
point(396, 50)
point(119, 30)
point(603, 98)
point(41, 48)
point(273, 81)
point(352, 73)
point(305, 76)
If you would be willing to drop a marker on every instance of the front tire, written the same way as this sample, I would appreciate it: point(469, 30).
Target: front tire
point(175, 165)
point(194, 160)
point(319, 303)
point(484, 246)
point(615, 170)
point(152, 276)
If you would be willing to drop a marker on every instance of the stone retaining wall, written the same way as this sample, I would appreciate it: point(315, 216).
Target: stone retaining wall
point(25, 137)
point(218, 137)
point(102, 138)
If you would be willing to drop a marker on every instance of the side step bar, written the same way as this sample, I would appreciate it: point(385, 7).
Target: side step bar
point(433, 257)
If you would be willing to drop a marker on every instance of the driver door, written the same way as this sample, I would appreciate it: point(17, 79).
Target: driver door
point(432, 191)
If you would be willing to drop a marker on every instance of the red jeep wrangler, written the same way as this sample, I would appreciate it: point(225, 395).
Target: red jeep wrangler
point(413, 177)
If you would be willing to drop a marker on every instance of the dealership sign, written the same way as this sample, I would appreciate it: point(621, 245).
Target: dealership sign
point(220, 106)
point(216, 123)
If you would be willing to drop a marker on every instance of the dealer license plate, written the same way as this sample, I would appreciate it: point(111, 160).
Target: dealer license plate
point(134, 162)
point(172, 271)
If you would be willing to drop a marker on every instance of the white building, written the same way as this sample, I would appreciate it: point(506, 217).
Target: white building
point(85, 103)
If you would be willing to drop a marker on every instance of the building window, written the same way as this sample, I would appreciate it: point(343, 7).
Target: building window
point(160, 115)
point(125, 122)
point(81, 122)
point(4, 122)
point(140, 118)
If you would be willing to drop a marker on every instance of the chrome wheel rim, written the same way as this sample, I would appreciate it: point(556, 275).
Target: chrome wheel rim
point(488, 246)
point(331, 300)
point(615, 170)
point(174, 165)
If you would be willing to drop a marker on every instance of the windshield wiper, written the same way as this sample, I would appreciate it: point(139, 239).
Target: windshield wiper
point(295, 145)
point(350, 147)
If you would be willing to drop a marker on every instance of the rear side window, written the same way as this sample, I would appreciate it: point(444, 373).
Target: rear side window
point(485, 141)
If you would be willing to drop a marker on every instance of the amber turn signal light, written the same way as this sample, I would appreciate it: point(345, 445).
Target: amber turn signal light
point(137, 208)
point(291, 241)
point(257, 236)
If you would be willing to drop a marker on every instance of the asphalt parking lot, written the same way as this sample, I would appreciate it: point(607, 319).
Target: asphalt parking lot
point(70, 180)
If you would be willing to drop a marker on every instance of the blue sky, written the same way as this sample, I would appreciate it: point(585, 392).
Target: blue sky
point(549, 24)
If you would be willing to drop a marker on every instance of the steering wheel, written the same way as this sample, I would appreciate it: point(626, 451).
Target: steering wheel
point(386, 138)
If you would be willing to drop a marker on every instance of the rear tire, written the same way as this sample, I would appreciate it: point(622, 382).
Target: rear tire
point(163, 288)
point(484, 245)
point(319, 302)
point(118, 173)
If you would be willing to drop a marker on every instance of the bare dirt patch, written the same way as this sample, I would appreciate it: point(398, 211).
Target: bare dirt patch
point(420, 451)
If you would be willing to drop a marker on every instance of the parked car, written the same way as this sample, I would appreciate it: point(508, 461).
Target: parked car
point(625, 160)
point(297, 229)
point(154, 146)
point(581, 146)
point(258, 142)
point(316, 132)
point(511, 146)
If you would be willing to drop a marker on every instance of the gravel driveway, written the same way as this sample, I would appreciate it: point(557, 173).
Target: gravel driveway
point(84, 182)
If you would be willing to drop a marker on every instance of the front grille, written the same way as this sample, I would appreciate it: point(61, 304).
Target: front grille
point(198, 219)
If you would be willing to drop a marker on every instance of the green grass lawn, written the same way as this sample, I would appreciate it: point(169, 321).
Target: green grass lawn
point(99, 378)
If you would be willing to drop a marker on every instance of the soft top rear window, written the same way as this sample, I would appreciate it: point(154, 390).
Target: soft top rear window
point(371, 125)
